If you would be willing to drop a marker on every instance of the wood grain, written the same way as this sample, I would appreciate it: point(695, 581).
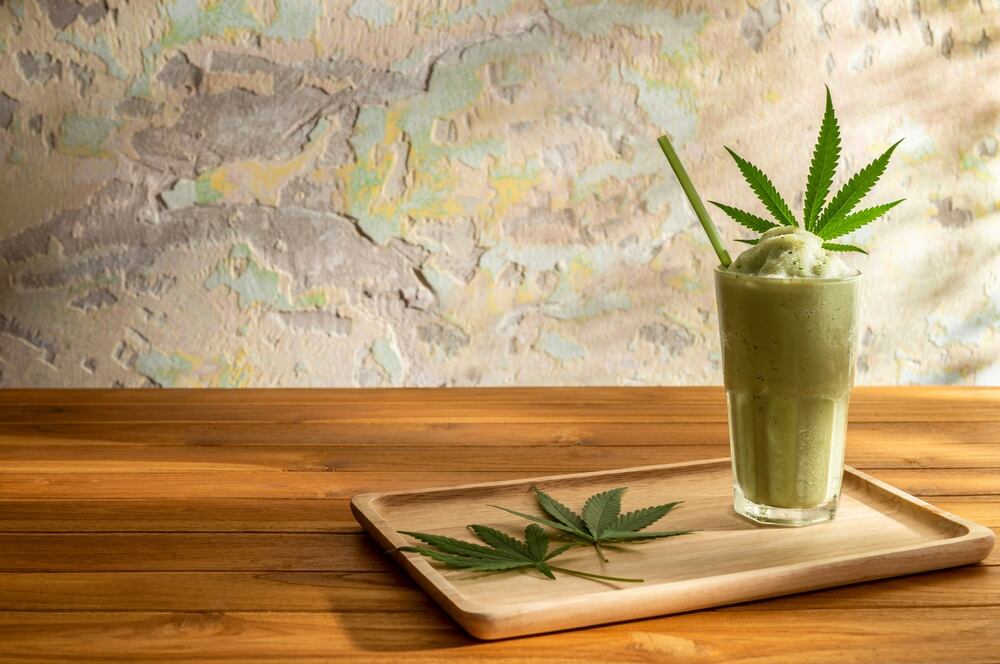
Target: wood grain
point(493, 405)
point(212, 515)
point(237, 515)
point(868, 404)
point(106, 552)
point(220, 522)
point(111, 552)
point(341, 485)
point(228, 591)
point(894, 437)
point(973, 585)
point(915, 636)
point(36, 457)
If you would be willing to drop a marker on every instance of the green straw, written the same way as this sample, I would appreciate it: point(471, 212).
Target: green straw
point(699, 208)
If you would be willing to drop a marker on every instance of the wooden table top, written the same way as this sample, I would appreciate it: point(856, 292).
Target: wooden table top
point(214, 525)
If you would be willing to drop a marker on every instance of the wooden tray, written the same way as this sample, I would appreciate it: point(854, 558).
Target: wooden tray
point(879, 532)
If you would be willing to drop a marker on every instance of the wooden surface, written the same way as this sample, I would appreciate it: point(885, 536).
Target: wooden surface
point(213, 525)
point(880, 531)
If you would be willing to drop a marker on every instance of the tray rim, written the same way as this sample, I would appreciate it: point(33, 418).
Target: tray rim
point(489, 622)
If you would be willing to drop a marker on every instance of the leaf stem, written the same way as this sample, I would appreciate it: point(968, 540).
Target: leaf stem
point(595, 576)
point(695, 200)
point(600, 552)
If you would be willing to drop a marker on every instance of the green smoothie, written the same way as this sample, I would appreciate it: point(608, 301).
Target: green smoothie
point(788, 313)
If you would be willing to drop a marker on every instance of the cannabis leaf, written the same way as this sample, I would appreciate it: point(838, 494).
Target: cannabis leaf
point(602, 521)
point(852, 222)
point(823, 165)
point(852, 192)
point(833, 246)
point(836, 218)
point(751, 221)
point(502, 552)
point(601, 509)
point(765, 190)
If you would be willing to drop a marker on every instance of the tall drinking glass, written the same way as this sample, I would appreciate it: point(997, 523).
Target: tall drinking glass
point(788, 348)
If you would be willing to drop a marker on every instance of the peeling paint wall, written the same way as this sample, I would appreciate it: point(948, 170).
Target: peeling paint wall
point(383, 192)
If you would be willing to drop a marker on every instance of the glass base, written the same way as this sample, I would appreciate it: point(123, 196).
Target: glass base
point(783, 516)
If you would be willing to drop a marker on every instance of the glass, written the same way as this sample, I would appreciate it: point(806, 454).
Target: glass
point(788, 348)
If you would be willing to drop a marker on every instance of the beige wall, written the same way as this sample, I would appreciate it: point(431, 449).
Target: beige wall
point(380, 192)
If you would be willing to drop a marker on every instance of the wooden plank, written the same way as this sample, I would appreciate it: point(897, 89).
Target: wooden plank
point(211, 591)
point(221, 515)
point(309, 484)
point(166, 458)
point(219, 552)
point(534, 411)
point(224, 484)
point(915, 636)
point(178, 515)
point(156, 552)
point(314, 396)
point(392, 395)
point(921, 482)
point(218, 591)
point(973, 585)
point(870, 453)
point(428, 434)
point(499, 405)
point(981, 509)
point(976, 585)
point(893, 437)
point(865, 398)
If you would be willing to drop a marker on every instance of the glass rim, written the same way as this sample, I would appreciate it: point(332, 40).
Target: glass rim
point(719, 270)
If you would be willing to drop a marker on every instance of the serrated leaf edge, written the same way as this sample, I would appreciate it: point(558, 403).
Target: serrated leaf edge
point(823, 166)
point(558, 511)
point(744, 218)
point(765, 190)
point(644, 516)
point(601, 509)
point(856, 220)
point(834, 246)
point(855, 189)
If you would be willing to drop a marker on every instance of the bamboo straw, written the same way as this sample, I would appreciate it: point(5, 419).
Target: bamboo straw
point(699, 208)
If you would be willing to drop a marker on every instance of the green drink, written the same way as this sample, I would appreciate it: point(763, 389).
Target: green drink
point(788, 317)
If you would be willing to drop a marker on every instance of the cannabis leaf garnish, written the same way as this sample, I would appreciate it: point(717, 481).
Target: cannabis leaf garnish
point(823, 165)
point(836, 218)
point(502, 552)
point(765, 190)
point(602, 521)
point(751, 221)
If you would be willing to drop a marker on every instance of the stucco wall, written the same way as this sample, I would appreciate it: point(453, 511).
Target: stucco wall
point(380, 192)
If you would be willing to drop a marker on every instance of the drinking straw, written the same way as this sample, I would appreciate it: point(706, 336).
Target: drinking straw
point(699, 208)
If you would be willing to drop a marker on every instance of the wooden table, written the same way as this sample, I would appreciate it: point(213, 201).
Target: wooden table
point(214, 525)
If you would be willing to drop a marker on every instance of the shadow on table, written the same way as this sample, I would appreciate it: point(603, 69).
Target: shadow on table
point(418, 624)
point(430, 629)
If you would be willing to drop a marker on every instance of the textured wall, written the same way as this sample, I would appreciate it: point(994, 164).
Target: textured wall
point(382, 192)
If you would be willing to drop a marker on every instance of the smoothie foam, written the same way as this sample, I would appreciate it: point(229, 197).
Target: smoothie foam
point(790, 252)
